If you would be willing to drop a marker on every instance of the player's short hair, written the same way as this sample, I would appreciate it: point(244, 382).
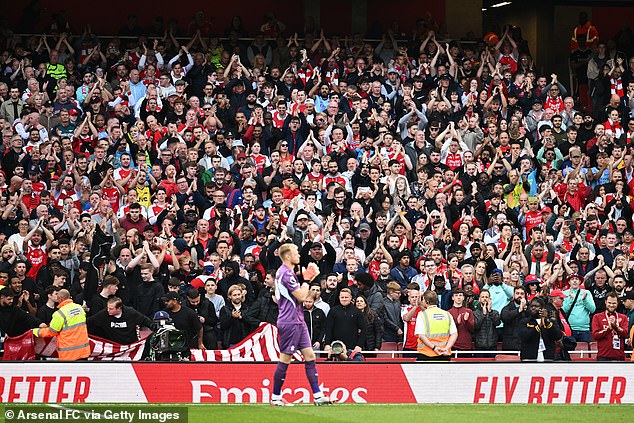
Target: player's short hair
point(285, 249)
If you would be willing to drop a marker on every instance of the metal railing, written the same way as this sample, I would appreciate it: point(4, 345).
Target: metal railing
point(396, 354)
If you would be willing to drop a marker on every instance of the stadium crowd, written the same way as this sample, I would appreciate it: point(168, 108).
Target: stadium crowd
point(398, 167)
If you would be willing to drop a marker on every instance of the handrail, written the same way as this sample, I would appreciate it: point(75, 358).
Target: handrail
point(456, 353)
point(223, 38)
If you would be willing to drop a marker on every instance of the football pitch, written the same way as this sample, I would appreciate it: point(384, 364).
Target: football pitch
point(366, 413)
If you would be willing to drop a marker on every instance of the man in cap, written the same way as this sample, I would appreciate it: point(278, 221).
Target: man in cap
point(185, 319)
point(322, 254)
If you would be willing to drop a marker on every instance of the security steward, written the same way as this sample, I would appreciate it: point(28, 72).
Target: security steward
point(436, 330)
point(69, 326)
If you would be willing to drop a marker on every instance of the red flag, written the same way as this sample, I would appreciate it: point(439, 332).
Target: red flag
point(19, 347)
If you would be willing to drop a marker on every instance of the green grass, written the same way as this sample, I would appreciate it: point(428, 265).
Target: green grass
point(388, 413)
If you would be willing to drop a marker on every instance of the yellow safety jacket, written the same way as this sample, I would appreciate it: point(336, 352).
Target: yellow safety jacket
point(69, 326)
point(437, 325)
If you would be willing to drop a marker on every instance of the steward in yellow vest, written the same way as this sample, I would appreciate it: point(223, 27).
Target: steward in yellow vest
point(435, 329)
point(69, 326)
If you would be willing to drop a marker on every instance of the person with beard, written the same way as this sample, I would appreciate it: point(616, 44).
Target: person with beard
point(538, 334)
point(185, 319)
point(512, 315)
point(13, 320)
point(609, 328)
point(117, 323)
point(22, 298)
point(206, 314)
point(232, 277)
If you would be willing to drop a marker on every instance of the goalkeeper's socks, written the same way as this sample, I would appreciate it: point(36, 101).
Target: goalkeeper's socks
point(312, 376)
point(278, 379)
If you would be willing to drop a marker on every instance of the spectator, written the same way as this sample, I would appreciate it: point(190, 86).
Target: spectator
point(610, 330)
point(315, 320)
point(117, 323)
point(579, 306)
point(486, 320)
point(512, 315)
point(392, 323)
point(374, 325)
point(232, 322)
point(206, 314)
point(464, 319)
point(345, 323)
point(538, 334)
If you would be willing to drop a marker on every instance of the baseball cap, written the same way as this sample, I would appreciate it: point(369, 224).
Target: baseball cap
point(496, 270)
point(259, 206)
point(171, 296)
point(301, 215)
point(317, 245)
point(546, 210)
point(241, 156)
point(530, 279)
point(73, 112)
point(364, 227)
point(229, 134)
point(629, 295)
point(557, 293)
point(392, 70)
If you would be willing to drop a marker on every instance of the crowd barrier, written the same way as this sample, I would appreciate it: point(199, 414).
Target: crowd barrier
point(470, 382)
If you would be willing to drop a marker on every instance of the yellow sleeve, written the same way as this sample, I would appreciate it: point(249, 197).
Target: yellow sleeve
point(53, 329)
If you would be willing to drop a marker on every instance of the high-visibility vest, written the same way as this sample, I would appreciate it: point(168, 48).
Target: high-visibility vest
point(437, 324)
point(57, 71)
point(69, 326)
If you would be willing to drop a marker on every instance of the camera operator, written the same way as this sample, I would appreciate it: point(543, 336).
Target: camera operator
point(185, 319)
point(117, 323)
point(206, 314)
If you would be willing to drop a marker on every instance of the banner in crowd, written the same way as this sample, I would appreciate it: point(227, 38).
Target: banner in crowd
point(261, 345)
point(490, 382)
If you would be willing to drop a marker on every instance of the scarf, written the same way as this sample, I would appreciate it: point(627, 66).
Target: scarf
point(616, 87)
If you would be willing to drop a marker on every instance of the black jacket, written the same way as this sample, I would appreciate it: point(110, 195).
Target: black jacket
point(316, 322)
point(374, 332)
point(346, 324)
point(264, 309)
point(206, 310)
point(485, 336)
point(122, 330)
point(233, 330)
point(14, 321)
point(529, 333)
point(227, 282)
point(511, 317)
point(147, 298)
